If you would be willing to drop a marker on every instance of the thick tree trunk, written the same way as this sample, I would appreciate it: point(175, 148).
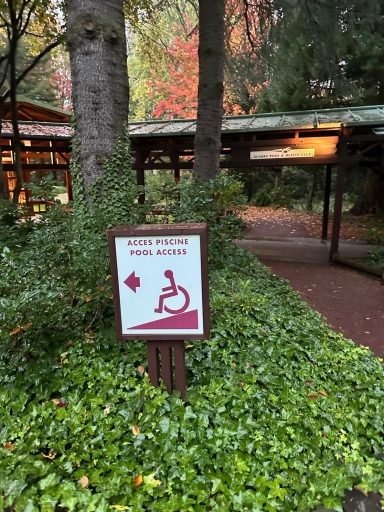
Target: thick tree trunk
point(211, 88)
point(371, 198)
point(98, 55)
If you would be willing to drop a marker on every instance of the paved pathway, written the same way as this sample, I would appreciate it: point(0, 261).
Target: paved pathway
point(352, 302)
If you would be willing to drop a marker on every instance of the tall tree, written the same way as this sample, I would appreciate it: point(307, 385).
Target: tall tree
point(323, 54)
point(98, 56)
point(211, 88)
point(20, 19)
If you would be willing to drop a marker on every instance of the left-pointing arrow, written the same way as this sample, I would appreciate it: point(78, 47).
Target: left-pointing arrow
point(133, 282)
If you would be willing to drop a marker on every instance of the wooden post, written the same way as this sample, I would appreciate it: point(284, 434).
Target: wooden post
point(166, 361)
point(68, 183)
point(343, 153)
point(140, 178)
point(327, 195)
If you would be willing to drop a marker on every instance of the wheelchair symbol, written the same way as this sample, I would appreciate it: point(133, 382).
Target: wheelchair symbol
point(172, 291)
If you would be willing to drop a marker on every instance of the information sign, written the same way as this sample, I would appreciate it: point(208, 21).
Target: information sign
point(160, 281)
point(284, 152)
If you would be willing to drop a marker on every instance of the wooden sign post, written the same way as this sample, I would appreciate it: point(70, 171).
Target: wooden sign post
point(160, 290)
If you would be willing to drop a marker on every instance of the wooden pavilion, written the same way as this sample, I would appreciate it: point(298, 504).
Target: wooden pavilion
point(335, 138)
point(46, 135)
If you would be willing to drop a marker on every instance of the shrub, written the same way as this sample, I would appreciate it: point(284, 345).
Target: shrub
point(213, 202)
point(279, 197)
point(282, 414)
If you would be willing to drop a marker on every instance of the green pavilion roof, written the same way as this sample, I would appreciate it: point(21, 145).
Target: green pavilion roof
point(278, 121)
point(323, 119)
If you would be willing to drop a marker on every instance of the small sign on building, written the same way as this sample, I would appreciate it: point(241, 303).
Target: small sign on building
point(283, 152)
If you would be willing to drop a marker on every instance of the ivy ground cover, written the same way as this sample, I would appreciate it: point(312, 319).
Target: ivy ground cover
point(281, 413)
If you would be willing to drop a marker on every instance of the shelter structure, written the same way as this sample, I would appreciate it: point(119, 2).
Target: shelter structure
point(45, 148)
point(335, 138)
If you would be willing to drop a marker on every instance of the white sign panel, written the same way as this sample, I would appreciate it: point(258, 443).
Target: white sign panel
point(160, 285)
point(286, 152)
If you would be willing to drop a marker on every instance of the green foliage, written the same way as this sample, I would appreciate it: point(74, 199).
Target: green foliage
point(269, 195)
point(160, 188)
point(281, 414)
point(57, 288)
point(14, 228)
point(319, 54)
point(375, 258)
point(212, 201)
point(113, 197)
point(43, 188)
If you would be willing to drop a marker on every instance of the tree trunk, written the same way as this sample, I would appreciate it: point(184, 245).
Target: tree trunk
point(371, 198)
point(211, 88)
point(3, 192)
point(313, 189)
point(16, 146)
point(278, 176)
point(98, 56)
point(16, 141)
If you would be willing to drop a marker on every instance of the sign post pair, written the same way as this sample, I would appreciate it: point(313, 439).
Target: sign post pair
point(160, 290)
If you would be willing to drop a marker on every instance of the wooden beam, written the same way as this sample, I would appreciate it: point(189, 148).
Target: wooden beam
point(39, 167)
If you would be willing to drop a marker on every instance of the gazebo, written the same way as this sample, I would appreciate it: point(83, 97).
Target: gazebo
point(46, 133)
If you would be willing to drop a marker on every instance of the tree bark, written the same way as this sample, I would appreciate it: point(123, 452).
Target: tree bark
point(371, 198)
point(98, 56)
point(278, 176)
point(211, 88)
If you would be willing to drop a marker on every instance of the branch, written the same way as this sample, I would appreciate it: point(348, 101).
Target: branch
point(4, 72)
point(6, 23)
point(26, 23)
point(35, 61)
point(247, 26)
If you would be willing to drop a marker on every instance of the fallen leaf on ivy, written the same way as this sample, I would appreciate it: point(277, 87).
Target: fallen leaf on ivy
point(120, 507)
point(9, 445)
point(84, 481)
point(88, 298)
point(313, 397)
point(59, 403)
point(141, 369)
point(15, 331)
point(135, 430)
point(151, 481)
point(137, 481)
point(323, 393)
point(20, 328)
point(64, 358)
point(50, 455)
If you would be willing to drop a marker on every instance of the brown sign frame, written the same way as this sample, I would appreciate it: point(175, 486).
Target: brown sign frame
point(140, 230)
